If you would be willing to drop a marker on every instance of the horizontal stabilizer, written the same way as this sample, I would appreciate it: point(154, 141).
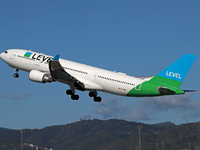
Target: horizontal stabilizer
point(165, 91)
point(169, 90)
point(192, 91)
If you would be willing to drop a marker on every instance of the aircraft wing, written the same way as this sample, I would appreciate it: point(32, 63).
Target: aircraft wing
point(59, 74)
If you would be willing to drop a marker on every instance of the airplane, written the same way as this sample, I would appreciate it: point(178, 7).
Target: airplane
point(44, 68)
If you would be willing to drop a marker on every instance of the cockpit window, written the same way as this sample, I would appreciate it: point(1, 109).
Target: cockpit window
point(6, 52)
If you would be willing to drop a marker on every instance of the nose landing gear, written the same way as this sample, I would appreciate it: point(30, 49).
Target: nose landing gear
point(16, 75)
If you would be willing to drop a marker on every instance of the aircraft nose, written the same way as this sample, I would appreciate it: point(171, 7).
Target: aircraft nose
point(1, 56)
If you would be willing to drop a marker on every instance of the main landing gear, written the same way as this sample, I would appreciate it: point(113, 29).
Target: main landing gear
point(72, 93)
point(16, 75)
point(76, 97)
point(94, 94)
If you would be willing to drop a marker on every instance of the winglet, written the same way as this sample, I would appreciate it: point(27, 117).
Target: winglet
point(56, 57)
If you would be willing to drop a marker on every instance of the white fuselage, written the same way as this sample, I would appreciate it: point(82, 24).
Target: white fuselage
point(94, 78)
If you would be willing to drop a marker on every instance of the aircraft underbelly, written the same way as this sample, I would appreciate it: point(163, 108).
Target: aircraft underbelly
point(117, 89)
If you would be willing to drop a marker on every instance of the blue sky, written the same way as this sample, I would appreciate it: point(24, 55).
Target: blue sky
point(135, 37)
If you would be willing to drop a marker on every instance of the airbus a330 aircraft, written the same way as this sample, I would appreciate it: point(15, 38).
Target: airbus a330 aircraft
point(43, 68)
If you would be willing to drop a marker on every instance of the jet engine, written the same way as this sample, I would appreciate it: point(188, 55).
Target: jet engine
point(38, 76)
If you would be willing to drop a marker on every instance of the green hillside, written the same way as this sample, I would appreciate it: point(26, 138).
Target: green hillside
point(105, 134)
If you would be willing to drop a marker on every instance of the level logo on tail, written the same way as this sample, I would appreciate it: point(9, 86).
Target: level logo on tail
point(178, 70)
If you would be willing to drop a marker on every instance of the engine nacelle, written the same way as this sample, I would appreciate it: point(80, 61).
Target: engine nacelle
point(38, 76)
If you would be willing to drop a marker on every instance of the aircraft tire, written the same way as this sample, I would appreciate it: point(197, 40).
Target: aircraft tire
point(16, 75)
point(93, 94)
point(70, 92)
point(74, 97)
point(97, 99)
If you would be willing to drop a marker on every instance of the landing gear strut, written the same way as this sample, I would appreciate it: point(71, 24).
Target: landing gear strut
point(16, 75)
point(94, 94)
point(72, 93)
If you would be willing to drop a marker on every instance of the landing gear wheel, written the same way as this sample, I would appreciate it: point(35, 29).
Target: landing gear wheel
point(74, 97)
point(70, 92)
point(97, 99)
point(93, 94)
point(16, 75)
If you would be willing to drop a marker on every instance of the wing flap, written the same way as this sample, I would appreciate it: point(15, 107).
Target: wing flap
point(89, 85)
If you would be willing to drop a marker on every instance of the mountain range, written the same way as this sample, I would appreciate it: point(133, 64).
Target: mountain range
point(110, 134)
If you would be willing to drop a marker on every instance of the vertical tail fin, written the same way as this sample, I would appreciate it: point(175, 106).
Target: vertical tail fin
point(176, 72)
